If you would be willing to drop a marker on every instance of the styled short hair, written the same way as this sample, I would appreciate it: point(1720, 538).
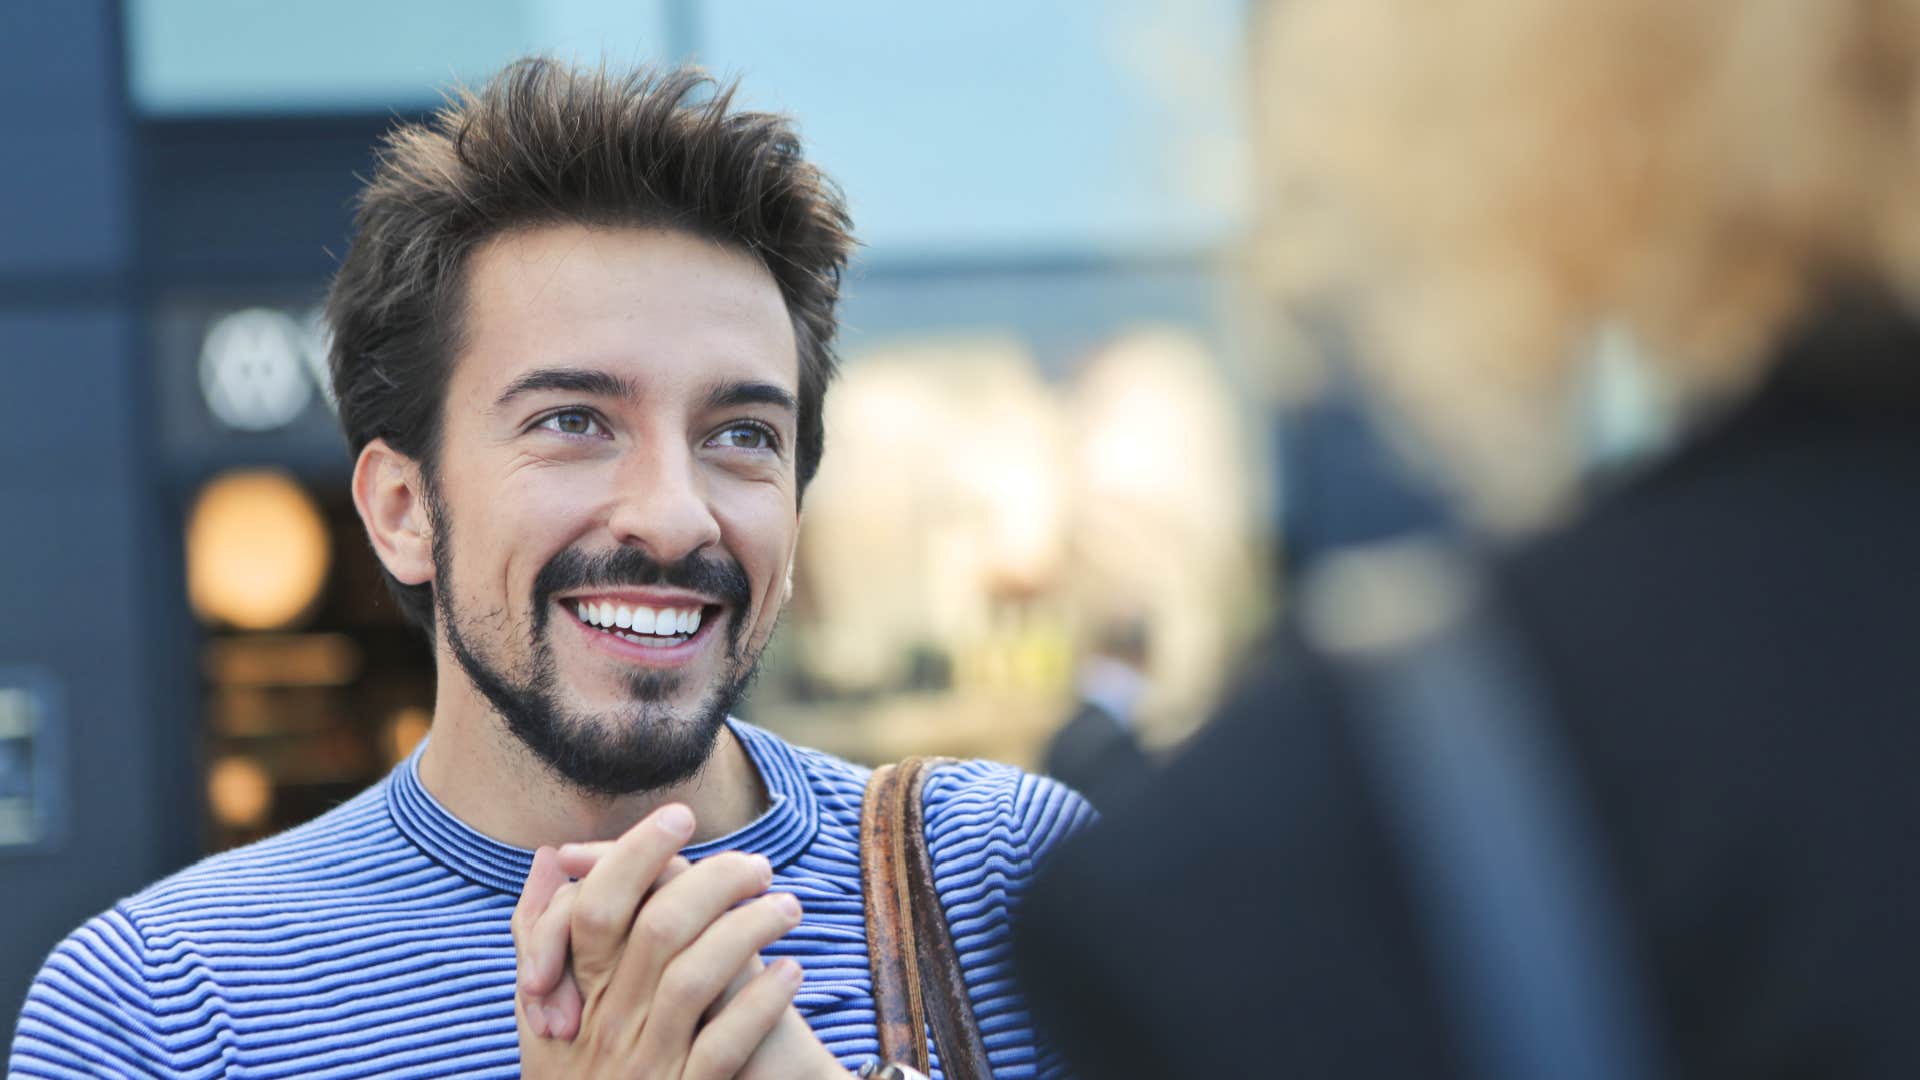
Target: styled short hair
point(544, 143)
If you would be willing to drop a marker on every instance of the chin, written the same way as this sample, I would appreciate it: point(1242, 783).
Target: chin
point(629, 751)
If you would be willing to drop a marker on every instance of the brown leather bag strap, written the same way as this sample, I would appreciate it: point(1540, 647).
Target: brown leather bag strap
point(891, 950)
point(916, 969)
point(963, 1056)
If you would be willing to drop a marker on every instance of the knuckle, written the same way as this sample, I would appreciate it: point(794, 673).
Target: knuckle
point(715, 1057)
point(687, 980)
point(660, 925)
point(593, 921)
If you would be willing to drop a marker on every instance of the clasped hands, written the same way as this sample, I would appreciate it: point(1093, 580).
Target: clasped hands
point(635, 963)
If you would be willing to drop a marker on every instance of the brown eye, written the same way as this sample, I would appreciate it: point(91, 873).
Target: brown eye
point(746, 437)
point(571, 422)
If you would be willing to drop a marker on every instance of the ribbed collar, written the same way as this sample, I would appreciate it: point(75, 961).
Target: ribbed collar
point(780, 834)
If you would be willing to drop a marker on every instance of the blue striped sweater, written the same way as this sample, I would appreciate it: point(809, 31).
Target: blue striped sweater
point(374, 940)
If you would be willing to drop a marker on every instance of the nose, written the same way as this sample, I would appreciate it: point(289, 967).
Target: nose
point(660, 503)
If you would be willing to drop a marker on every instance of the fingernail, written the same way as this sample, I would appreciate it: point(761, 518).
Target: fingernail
point(787, 904)
point(570, 851)
point(555, 1020)
point(787, 970)
point(675, 820)
point(537, 1020)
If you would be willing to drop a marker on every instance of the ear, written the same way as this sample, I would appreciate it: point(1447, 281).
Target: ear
point(389, 491)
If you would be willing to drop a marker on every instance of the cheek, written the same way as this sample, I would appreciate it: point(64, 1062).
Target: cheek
point(522, 522)
point(760, 531)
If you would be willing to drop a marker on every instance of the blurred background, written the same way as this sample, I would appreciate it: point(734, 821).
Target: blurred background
point(1061, 410)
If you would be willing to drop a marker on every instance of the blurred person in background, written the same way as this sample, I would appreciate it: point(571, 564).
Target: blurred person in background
point(1638, 786)
point(580, 346)
point(1095, 751)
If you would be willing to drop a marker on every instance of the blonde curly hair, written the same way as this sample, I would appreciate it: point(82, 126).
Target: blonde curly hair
point(1485, 183)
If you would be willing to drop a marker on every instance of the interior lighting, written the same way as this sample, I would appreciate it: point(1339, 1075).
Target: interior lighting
point(240, 792)
point(257, 550)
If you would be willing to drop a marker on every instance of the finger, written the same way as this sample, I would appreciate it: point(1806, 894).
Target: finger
point(679, 913)
point(694, 980)
point(675, 867)
point(726, 1043)
point(544, 879)
point(562, 1007)
point(543, 948)
point(610, 896)
point(741, 978)
point(578, 860)
point(531, 1017)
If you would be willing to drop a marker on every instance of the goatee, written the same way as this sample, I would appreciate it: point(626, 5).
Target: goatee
point(643, 746)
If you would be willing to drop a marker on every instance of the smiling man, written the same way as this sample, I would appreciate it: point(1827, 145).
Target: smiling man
point(581, 345)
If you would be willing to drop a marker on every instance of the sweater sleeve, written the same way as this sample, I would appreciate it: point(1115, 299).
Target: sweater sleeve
point(90, 1011)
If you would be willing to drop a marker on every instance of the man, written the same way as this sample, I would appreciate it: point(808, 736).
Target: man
point(581, 342)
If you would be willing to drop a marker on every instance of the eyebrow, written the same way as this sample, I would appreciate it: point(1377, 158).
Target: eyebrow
point(735, 394)
point(590, 381)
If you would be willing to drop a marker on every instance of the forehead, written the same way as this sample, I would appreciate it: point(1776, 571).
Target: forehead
point(664, 309)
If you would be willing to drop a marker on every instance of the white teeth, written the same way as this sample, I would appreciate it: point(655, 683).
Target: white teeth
point(641, 621)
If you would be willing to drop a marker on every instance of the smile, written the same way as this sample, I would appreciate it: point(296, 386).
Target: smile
point(658, 628)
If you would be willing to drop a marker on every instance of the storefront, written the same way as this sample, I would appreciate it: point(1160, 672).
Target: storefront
point(1046, 418)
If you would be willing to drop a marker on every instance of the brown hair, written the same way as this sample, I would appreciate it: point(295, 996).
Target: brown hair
point(544, 143)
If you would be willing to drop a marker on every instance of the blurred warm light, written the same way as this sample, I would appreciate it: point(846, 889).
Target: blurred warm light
point(240, 792)
point(1162, 520)
point(973, 511)
point(282, 660)
point(941, 503)
point(404, 731)
point(257, 550)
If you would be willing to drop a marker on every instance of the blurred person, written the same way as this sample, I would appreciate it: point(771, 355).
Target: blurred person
point(1668, 735)
point(1095, 751)
point(580, 347)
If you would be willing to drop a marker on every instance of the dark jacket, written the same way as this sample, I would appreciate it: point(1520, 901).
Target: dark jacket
point(1096, 755)
point(1730, 650)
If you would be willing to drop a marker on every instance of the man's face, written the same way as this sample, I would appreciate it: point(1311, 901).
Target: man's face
point(615, 498)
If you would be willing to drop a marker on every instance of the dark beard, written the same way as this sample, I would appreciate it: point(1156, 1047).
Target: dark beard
point(642, 747)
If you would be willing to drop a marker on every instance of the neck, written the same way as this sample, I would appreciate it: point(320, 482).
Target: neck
point(476, 769)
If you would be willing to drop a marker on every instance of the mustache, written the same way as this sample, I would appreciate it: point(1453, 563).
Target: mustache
point(720, 578)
